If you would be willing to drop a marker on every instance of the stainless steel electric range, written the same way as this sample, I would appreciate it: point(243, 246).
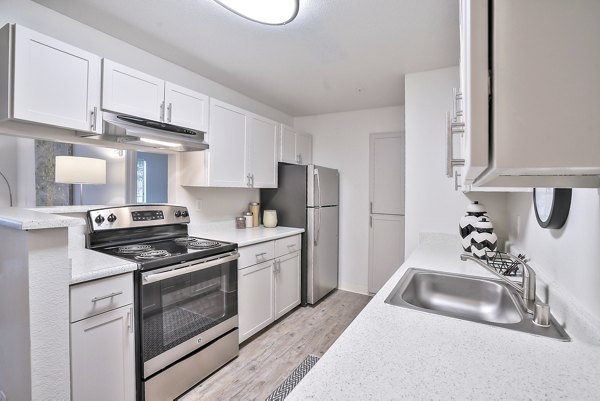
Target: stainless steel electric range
point(186, 310)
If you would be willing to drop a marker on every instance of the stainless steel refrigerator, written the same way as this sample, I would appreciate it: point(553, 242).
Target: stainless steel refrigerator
point(308, 197)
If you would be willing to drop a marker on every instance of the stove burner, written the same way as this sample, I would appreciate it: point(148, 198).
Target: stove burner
point(133, 249)
point(184, 240)
point(154, 254)
point(203, 244)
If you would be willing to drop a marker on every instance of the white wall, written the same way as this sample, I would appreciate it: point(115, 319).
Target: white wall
point(568, 258)
point(49, 22)
point(341, 141)
point(432, 204)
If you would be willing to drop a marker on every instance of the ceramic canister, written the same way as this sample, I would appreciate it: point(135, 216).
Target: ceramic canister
point(483, 238)
point(467, 223)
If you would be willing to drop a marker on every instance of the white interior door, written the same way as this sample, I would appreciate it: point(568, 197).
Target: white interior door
point(386, 219)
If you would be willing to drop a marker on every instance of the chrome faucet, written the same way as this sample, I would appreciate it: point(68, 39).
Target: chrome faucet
point(527, 288)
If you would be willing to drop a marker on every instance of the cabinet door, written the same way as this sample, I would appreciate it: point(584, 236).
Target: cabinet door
point(102, 357)
point(186, 107)
point(228, 141)
point(255, 298)
point(55, 83)
point(128, 91)
point(303, 148)
point(287, 284)
point(262, 152)
point(287, 145)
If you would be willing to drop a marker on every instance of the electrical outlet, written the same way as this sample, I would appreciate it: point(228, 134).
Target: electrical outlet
point(2, 396)
point(198, 209)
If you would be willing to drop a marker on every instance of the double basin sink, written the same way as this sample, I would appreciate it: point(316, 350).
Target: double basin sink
point(475, 299)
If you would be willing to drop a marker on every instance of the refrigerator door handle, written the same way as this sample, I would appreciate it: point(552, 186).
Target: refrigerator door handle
point(318, 224)
point(318, 186)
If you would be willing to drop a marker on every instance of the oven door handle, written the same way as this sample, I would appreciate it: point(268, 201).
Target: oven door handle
point(154, 277)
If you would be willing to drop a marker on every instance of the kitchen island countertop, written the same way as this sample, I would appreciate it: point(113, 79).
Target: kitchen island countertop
point(392, 353)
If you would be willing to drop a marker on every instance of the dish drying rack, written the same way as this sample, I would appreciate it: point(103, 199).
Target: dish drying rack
point(505, 263)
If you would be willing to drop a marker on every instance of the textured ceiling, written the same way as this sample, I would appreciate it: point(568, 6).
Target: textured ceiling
point(337, 55)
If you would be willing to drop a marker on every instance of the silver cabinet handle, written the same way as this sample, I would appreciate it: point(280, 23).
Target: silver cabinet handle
point(169, 112)
point(451, 129)
point(456, 104)
point(260, 255)
point(111, 295)
point(456, 184)
point(93, 115)
point(252, 179)
point(162, 111)
point(290, 246)
point(130, 320)
point(248, 183)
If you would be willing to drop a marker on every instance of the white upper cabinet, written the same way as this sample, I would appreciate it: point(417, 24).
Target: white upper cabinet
point(303, 148)
point(128, 91)
point(52, 82)
point(186, 107)
point(540, 85)
point(262, 152)
point(242, 152)
point(294, 147)
point(227, 139)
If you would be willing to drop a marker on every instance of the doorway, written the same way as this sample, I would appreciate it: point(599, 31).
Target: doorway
point(386, 214)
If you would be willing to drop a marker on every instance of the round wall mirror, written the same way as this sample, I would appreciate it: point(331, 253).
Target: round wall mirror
point(551, 206)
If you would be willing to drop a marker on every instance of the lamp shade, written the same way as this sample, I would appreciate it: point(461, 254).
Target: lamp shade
point(80, 170)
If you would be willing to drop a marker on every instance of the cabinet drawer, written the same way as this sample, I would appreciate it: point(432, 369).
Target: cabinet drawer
point(287, 245)
point(257, 253)
point(94, 297)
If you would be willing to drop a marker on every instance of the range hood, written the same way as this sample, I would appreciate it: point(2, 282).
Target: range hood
point(143, 133)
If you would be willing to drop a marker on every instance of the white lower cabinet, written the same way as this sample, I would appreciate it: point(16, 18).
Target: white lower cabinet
point(267, 289)
point(255, 298)
point(102, 344)
point(287, 284)
point(102, 357)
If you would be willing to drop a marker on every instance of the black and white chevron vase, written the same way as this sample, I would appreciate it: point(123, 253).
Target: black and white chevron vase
point(483, 239)
point(466, 226)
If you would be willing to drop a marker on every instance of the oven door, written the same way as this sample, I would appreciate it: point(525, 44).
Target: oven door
point(185, 307)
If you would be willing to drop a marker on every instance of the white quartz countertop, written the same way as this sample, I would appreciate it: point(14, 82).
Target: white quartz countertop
point(226, 231)
point(25, 219)
point(66, 209)
point(87, 265)
point(392, 353)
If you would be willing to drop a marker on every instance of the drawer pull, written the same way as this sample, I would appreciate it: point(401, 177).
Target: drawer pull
point(290, 246)
point(111, 295)
point(258, 255)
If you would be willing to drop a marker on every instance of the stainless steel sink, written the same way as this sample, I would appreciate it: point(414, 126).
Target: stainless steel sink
point(476, 299)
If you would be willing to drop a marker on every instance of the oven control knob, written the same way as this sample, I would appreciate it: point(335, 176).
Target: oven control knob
point(99, 219)
point(184, 213)
point(111, 218)
point(178, 213)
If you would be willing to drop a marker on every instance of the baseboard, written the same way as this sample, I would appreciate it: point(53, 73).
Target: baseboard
point(353, 287)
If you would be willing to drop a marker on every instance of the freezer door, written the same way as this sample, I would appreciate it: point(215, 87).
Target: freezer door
point(322, 263)
point(323, 188)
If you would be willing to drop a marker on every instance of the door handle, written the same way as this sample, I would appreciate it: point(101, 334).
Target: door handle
point(162, 111)
point(93, 116)
point(169, 112)
point(111, 295)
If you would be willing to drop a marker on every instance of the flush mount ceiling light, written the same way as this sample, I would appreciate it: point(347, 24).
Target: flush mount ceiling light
point(270, 12)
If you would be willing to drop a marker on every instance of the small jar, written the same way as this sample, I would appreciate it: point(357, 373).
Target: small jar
point(270, 218)
point(248, 218)
point(254, 208)
point(240, 222)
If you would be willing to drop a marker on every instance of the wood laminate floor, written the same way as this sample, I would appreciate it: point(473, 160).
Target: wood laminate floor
point(268, 358)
